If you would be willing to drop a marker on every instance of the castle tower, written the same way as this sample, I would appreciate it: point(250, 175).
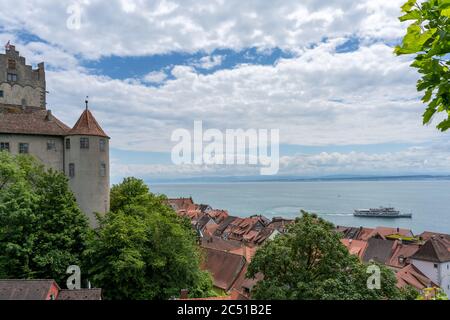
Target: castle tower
point(20, 84)
point(87, 165)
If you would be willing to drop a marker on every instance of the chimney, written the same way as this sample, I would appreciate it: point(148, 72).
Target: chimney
point(350, 241)
point(49, 116)
point(184, 294)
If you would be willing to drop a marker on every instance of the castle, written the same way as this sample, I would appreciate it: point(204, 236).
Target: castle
point(28, 127)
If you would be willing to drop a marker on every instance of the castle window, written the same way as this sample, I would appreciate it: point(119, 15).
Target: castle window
point(67, 144)
point(4, 146)
point(51, 145)
point(102, 169)
point(23, 147)
point(71, 170)
point(1, 93)
point(84, 143)
point(11, 77)
point(11, 64)
point(102, 144)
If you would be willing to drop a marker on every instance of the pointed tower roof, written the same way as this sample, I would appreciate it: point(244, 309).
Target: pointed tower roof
point(88, 126)
point(434, 250)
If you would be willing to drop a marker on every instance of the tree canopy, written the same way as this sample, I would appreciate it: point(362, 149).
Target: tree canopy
point(428, 38)
point(310, 262)
point(42, 230)
point(143, 250)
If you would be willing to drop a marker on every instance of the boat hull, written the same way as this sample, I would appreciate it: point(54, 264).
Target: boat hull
point(404, 215)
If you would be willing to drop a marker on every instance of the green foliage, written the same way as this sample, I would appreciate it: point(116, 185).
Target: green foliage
point(432, 294)
point(42, 231)
point(428, 37)
point(310, 262)
point(143, 250)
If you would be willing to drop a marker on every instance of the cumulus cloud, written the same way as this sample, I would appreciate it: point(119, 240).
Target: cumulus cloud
point(138, 27)
point(317, 97)
point(155, 77)
point(434, 159)
point(209, 62)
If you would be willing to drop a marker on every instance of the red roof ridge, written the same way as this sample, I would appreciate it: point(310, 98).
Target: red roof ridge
point(87, 125)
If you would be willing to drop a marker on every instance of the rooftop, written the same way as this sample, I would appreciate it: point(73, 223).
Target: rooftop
point(19, 289)
point(34, 122)
point(434, 250)
point(87, 125)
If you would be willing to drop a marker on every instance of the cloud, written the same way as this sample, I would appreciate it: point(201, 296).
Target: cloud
point(209, 62)
point(413, 160)
point(155, 77)
point(434, 159)
point(317, 98)
point(138, 27)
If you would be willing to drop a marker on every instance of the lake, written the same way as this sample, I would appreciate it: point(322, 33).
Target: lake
point(427, 200)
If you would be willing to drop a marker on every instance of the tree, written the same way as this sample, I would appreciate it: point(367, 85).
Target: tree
point(428, 38)
point(143, 250)
point(432, 294)
point(42, 231)
point(310, 262)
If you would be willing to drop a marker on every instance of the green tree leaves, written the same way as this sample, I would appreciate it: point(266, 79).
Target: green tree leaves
point(143, 250)
point(428, 37)
point(310, 262)
point(42, 231)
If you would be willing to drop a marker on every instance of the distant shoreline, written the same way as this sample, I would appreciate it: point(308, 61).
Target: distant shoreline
point(217, 180)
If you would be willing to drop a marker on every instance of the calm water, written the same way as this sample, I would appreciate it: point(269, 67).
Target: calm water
point(429, 200)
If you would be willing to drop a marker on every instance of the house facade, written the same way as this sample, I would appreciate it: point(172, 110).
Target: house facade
point(433, 260)
point(28, 127)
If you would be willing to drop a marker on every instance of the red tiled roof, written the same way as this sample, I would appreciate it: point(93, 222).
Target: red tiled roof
point(383, 232)
point(220, 244)
point(356, 247)
point(445, 238)
point(402, 251)
point(182, 204)
point(37, 122)
point(411, 276)
point(225, 267)
point(209, 298)
point(245, 251)
point(21, 289)
point(80, 294)
point(87, 125)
